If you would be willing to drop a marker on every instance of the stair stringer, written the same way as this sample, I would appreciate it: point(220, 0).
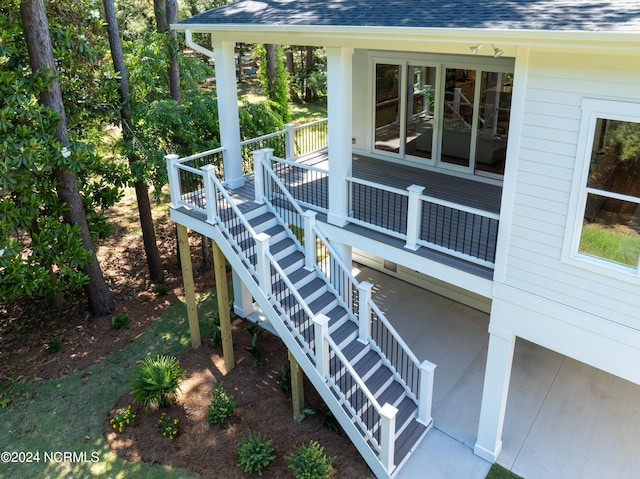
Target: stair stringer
point(265, 302)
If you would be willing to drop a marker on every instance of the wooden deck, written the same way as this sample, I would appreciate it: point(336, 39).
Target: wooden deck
point(462, 191)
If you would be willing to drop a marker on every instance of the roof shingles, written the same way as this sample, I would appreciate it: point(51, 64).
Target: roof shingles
point(578, 15)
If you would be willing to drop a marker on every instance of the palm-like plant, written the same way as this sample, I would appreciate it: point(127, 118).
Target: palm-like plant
point(157, 382)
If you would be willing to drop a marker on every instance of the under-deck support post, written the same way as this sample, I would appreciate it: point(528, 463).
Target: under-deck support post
point(414, 212)
point(242, 299)
point(364, 312)
point(222, 292)
point(297, 388)
point(387, 434)
point(310, 251)
point(427, 369)
point(189, 288)
point(494, 395)
point(321, 329)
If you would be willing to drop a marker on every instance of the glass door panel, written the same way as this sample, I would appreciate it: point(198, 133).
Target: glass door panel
point(387, 108)
point(459, 91)
point(420, 102)
point(493, 122)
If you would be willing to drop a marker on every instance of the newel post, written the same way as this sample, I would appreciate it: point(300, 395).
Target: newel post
point(364, 311)
point(310, 250)
point(387, 433)
point(210, 193)
point(321, 330)
point(425, 398)
point(290, 142)
point(174, 179)
point(414, 212)
point(263, 263)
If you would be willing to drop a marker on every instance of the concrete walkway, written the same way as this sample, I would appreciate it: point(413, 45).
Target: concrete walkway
point(564, 419)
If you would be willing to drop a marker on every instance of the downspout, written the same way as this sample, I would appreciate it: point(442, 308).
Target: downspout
point(194, 46)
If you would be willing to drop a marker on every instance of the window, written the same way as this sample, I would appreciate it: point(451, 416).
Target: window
point(609, 213)
point(452, 117)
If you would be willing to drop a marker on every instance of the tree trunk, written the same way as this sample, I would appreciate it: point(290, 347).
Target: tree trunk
point(142, 194)
point(272, 71)
point(160, 12)
point(291, 68)
point(308, 94)
point(36, 32)
point(174, 68)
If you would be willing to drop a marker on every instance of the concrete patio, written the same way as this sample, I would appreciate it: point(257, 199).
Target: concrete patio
point(564, 419)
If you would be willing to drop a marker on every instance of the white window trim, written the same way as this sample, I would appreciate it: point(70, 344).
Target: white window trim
point(592, 110)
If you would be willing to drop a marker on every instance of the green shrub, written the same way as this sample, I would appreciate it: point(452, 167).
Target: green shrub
point(255, 330)
point(168, 426)
point(120, 321)
point(54, 345)
point(123, 418)
point(157, 381)
point(162, 289)
point(283, 378)
point(221, 406)
point(310, 462)
point(255, 452)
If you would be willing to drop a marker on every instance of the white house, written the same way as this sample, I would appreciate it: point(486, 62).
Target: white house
point(475, 143)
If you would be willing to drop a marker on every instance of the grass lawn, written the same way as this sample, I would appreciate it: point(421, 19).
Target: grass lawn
point(611, 244)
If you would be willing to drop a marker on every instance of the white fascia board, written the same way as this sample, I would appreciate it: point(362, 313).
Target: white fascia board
point(331, 34)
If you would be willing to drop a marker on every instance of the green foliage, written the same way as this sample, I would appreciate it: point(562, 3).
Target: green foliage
point(169, 427)
point(278, 95)
point(221, 406)
point(327, 418)
point(40, 255)
point(120, 321)
point(123, 418)
point(610, 244)
point(54, 345)
point(310, 462)
point(255, 330)
point(255, 452)
point(162, 289)
point(283, 378)
point(157, 381)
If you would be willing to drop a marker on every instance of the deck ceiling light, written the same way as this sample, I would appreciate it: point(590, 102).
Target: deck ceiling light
point(474, 49)
point(496, 52)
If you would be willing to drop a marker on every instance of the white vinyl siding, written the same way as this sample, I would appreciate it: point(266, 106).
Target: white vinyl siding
point(546, 160)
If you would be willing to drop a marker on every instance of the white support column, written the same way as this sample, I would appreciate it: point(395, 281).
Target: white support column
point(242, 298)
point(290, 142)
point(263, 263)
point(387, 434)
point(310, 250)
point(210, 193)
point(494, 394)
point(321, 330)
point(414, 212)
point(261, 158)
point(174, 179)
point(339, 106)
point(364, 312)
point(427, 369)
point(225, 68)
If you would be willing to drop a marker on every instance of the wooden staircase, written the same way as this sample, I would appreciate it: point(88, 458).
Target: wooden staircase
point(368, 378)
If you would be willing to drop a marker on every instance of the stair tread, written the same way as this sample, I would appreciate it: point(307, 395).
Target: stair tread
point(311, 287)
point(391, 394)
point(260, 219)
point(370, 360)
point(322, 302)
point(344, 331)
point(408, 440)
point(405, 410)
point(281, 245)
point(274, 230)
point(291, 259)
point(300, 274)
point(336, 314)
point(381, 376)
point(353, 349)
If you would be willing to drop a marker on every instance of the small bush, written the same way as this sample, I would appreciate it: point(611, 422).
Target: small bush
point(255, 330)
point(120, 321)
point(255, 452)
point(54, 345)
point(168, 426)
point(221, 406)
point(310, 462)
point(162, 289)
point(283, 378)
point(157, 381)
point(123, 418)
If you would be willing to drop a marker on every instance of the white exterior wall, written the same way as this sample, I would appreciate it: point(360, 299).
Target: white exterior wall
point(573, 310)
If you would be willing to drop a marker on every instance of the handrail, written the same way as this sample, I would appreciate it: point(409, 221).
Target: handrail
point(290, 285)
point(379, 186)
point(284, 189)
point(311, 123)
point(297, 164)
point(459, 207)
point(263, 137)
point(190, 169)
point(195, 156)
point(393, 332)
point(336, 257)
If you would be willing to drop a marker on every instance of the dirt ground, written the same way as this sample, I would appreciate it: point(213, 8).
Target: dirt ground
point(26, 328)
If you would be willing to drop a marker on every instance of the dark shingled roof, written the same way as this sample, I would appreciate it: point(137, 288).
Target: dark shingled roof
point(579, 15)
